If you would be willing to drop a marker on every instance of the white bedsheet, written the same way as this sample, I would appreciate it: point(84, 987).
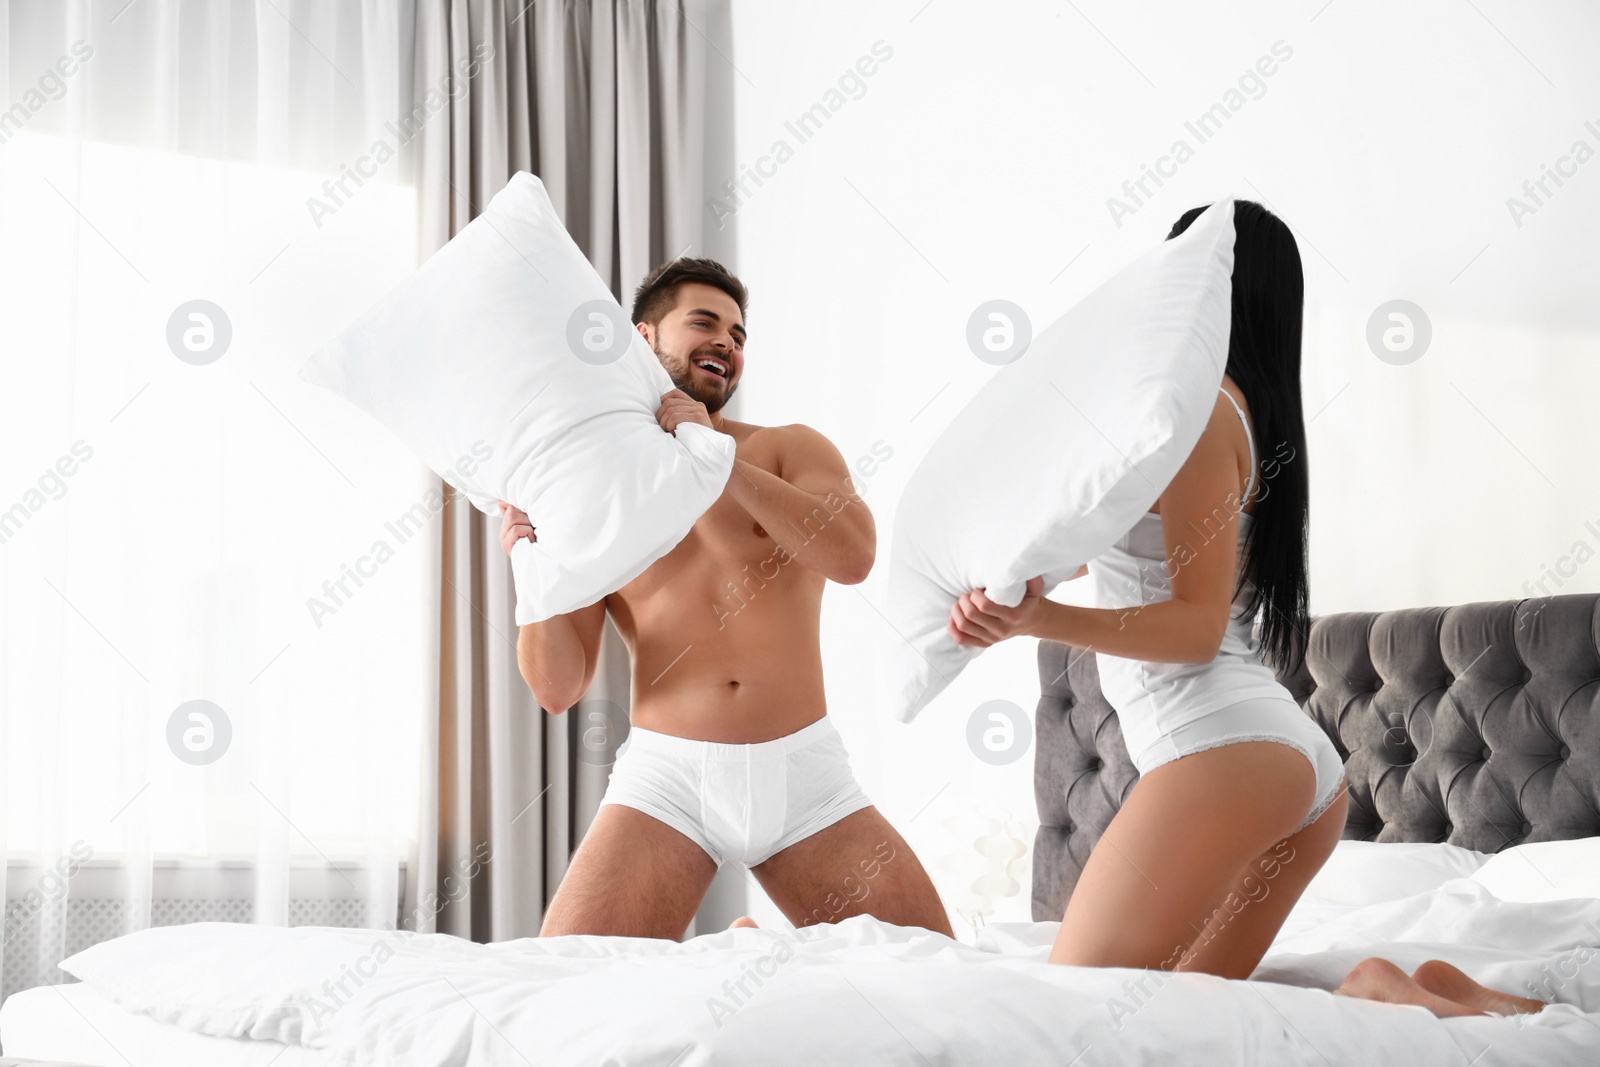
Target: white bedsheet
point(77, 1024)
point(865, 992)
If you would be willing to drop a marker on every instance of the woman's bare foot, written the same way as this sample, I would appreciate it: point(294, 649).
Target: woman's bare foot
point(1441, 979)
point(742, 922)
point(1378, 979)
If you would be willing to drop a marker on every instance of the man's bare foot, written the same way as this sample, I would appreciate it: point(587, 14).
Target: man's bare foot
point(1441, 979)
point(742, 922)
point(1378, 979)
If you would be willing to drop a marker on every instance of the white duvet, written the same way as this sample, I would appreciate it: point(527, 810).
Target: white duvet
point(864, 992)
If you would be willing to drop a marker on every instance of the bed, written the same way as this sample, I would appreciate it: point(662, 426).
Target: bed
point(77, 1024)
point(1470, 734)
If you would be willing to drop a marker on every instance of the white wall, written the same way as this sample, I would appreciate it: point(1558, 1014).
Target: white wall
point(977, 162)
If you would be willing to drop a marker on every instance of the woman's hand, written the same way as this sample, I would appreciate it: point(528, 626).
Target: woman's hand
point(977, 621)
point(514, 526)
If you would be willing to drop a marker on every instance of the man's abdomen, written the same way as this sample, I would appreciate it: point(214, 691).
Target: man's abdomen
point(737, 671)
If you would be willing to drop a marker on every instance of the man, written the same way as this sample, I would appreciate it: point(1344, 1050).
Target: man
point(731, 756)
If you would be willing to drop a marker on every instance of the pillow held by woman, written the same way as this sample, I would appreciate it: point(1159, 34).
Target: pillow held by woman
point(1062, 451)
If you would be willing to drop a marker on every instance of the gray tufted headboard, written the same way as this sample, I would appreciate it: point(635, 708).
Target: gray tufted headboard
point(1477, 724)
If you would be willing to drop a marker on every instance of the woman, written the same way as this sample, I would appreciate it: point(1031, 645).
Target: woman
point(1240, 794)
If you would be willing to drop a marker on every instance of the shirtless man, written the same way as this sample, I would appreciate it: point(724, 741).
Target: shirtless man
point(731, 756)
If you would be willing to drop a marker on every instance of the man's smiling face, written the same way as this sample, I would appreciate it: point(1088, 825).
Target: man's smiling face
point(700, 342)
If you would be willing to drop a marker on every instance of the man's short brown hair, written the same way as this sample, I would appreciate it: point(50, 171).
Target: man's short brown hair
point(658, 293)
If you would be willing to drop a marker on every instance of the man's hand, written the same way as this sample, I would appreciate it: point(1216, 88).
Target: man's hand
point(514, 526)
point(978, 621)
point(677, 408)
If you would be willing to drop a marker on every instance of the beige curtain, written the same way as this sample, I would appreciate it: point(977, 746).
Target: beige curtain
point(605, 102)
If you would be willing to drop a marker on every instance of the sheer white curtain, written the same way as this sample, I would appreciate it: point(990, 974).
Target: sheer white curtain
point(192, 196)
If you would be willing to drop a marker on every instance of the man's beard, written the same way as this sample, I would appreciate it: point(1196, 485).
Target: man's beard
point(684, 378)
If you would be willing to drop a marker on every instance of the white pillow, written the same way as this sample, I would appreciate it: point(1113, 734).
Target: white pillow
point(505, 363)
point(1540, 871)
point(232, 979)
point(1359, 873)
point(1062, 451)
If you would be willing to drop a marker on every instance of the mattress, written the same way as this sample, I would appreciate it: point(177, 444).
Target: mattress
point(76, 1024)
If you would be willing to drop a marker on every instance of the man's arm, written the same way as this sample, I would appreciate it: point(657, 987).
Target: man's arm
point(557, 656)
point(810, 508)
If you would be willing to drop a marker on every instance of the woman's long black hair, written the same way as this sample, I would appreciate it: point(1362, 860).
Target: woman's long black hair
point(1264, 362)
